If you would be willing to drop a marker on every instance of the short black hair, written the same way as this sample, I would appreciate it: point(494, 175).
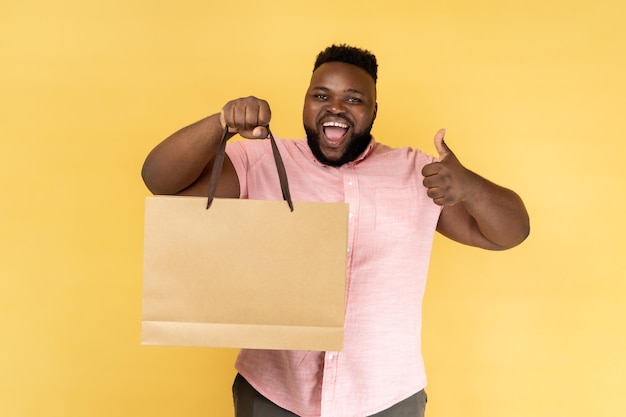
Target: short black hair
point(362, 58)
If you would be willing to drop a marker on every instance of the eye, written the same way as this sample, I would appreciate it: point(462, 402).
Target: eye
point(353, 100)
point(322, 97)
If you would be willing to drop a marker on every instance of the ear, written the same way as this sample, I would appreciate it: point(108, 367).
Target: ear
point(375, 111)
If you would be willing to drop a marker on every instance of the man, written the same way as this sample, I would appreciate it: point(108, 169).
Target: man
point(397, 199)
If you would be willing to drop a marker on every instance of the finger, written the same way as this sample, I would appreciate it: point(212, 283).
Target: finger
point(264, 113)
point(438, 196)
point(440, 144)
point(431, 169)
point(223, 116)
point(239, 118)
point(431, 181)
point(251, 116)
point(434, 193)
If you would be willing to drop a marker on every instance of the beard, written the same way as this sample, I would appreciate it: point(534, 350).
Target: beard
point(357, 146)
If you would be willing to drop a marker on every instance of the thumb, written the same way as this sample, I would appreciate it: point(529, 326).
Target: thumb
point(440, 145)
point(260, 132)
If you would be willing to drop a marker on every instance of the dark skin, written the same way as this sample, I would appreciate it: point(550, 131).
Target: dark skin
point(475, 212)
point(341, 101)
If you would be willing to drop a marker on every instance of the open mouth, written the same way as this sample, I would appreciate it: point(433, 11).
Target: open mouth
point(335, 131)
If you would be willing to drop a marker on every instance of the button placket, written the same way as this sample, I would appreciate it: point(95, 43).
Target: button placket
point(329, 382)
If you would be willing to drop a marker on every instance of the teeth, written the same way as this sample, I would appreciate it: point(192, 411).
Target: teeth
point(335, 124)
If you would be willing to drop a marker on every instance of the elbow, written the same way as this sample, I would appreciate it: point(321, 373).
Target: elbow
point(515, 237)
point(523, 227)
point(152, 180)
point(147, 178)
point(519, 227)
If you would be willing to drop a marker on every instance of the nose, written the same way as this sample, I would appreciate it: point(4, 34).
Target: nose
point(336, 106)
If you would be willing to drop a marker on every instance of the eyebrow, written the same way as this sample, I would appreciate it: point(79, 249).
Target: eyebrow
point(349, 90)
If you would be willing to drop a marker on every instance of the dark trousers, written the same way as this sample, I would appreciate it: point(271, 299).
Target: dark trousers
point(250, 403)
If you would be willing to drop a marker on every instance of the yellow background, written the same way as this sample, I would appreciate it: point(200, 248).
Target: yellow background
point(532, 94)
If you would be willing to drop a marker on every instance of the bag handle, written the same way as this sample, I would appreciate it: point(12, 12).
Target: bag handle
point(219, 161)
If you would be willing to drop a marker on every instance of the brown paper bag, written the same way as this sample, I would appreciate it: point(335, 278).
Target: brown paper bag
point(244, 273)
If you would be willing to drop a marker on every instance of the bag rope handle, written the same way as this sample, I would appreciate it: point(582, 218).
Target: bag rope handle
point(219, 161)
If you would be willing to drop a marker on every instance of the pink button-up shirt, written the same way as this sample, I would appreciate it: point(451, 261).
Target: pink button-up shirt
point(391, 227)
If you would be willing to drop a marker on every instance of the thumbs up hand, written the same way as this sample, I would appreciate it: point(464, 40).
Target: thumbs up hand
point(446, 180)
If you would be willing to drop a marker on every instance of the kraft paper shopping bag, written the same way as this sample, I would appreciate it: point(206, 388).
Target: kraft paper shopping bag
point(244, 273)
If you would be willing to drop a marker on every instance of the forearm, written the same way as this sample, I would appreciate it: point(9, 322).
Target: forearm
point(180, 159)
point(498, 213)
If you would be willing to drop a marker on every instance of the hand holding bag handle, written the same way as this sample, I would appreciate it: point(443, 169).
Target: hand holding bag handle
point(219, 161)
